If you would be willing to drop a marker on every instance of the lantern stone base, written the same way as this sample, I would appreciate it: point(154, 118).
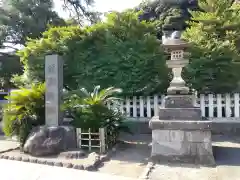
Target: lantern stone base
point(179, 134)
point(181, 142)
point(178, 90)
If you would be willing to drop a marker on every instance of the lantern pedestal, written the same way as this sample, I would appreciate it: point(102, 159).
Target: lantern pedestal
point(175, 141)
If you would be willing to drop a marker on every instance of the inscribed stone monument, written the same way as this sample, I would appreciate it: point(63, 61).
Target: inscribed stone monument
point(52, 138)
point(54, 87)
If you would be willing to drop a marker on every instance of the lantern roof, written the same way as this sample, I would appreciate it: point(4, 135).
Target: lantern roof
point(172, 40)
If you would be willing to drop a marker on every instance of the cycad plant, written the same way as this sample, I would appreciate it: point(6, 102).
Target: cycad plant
point(100, 96)
point(24, 111)
point(89, 109)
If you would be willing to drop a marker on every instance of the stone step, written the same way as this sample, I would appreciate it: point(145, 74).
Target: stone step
point(180, 114)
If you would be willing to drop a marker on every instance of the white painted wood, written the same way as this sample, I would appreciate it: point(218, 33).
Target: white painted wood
point(202, 104)
point(148, 106)
point(236, 105)
point(194, 99)
point(146, 103)
point(121, 108)
point(141, 104)
point(90, 140)
point(79, 137)
point(162, 100)
point(228, 105)
point(134, 106)
point(127, 107)
point(102, 140)
point(210, 105)
point(219, 105)
point(156, 105)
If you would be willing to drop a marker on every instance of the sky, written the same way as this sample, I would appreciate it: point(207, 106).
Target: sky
point(102, 5)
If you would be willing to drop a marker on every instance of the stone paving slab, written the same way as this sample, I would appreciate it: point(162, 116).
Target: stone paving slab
point(7, 144)
point(28, 171)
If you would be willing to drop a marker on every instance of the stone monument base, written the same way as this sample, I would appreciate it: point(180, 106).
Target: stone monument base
point(50, 140)
point(181, 141)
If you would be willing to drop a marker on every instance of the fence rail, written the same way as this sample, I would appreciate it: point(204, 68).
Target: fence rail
point(212, 105)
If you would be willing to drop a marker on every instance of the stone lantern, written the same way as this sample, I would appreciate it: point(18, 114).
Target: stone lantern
point(178, 60)
point(178, 133)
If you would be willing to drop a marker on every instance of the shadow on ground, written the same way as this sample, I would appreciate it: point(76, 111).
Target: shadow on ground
point(226, 150)
point(227, 155)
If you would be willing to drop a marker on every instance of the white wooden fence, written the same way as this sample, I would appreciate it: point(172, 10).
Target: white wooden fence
point(219, 106)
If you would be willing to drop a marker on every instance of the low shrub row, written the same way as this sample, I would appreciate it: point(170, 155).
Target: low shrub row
point(26, 109)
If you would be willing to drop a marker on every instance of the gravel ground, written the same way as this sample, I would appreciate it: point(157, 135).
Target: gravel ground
point(131, 157)
point(7, 144)
point(30, 171)
point(130, 160)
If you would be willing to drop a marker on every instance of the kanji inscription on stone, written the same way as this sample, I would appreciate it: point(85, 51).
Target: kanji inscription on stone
point(51, 68)
point(51, 81)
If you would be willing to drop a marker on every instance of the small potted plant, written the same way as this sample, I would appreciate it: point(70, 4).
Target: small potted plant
point(97, 126)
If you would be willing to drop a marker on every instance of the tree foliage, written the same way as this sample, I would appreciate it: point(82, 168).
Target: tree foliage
point(81, 11)
point(170, 15)
point(122, 52)
point(22, 19)
point(10, 65)
point(214, 34)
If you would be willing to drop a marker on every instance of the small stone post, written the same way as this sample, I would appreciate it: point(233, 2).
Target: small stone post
point(54, 87)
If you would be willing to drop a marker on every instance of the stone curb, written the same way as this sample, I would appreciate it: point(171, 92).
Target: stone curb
point(8, 150)
point(147, 171)
point(99, 160)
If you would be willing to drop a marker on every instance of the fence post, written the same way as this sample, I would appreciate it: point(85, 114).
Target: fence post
point(128, 107)
point(102, 140)
point(210, 105)
point(79, 137)
point(219, 105)
point(202, 104)
point(236, 105)
point(162, 100)
point(156, 105)
point(228, 106)
point(141, 107)
point(134, 106)
point(148, 106)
